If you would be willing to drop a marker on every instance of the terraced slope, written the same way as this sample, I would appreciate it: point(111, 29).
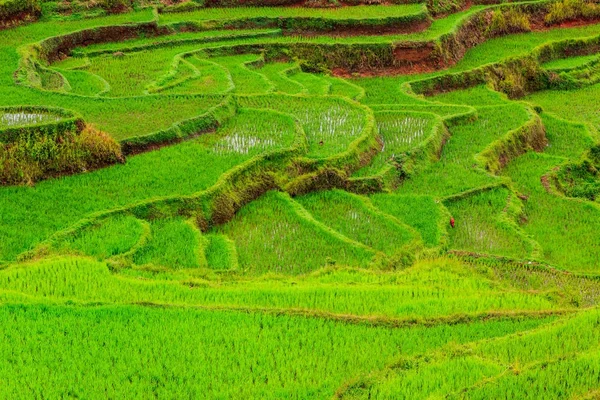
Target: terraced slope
point(357, 201)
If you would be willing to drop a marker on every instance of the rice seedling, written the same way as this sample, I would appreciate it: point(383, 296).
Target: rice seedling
point(277, 244)
point(173, 243)
point(207, 78)
point(113, 236)
point(85, 83)
point(457, 171)
point(187, 168)
point(245, 80)
point(355, 218)
point(423, 213)
point(330, 124)
point(231, 14)
point(314, 85)
point(10, 119)
point(482, 225)
point(399, 133)
point(175, 339)
point(279, 74)
point(570, 62)
point(459, 267)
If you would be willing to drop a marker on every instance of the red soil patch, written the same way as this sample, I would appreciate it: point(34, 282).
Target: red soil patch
point(408, 69)
point(413, 54)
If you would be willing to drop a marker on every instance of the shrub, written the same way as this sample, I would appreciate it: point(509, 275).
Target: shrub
point(508, 21)
point(31, 158)
point(12, 11)
point(517, 78)
point(571, 9)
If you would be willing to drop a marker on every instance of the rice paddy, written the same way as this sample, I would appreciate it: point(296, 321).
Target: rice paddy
point(313, 200)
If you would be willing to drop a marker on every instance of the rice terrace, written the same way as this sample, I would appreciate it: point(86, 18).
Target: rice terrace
point(299, 199)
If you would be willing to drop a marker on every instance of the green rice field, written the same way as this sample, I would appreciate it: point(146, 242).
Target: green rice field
point(326, 199)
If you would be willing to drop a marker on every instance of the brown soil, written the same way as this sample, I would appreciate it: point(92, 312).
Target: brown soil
point(413, 54)
point(546, 183)
point(405, 69)
point(538, 24)
point(17, 20)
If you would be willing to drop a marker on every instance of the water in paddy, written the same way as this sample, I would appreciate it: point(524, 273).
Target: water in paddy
point(22, 118)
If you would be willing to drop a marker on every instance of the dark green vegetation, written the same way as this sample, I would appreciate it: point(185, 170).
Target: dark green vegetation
point(333, 199)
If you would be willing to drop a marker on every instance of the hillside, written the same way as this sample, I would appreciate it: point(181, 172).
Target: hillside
point(300, 199)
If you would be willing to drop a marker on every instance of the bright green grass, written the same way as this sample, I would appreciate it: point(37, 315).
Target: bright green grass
point(423, 213)
point(71, 63)
point(343, 87)
point(212, 79)
point(120, 117)
point(186, 168)
point(528, 365)
point(278, 74)
point(173, 243)
point(576, 105)
point(274, 234)
point(185, 352)
point(570, 62)
point(476, 96)
point(109, 237)
point(131, 74)
point(399, 132)
point(559, 225)
point(457, 170)
point(437, 28)
point(220, 252)
point(268, 261)
point(355, 218)
point(84, 83)
point(481, 225)
point(443, 110)
point(313, 84)
point(568, 140)
point(429, 289)
point(245, 80)
point(330, 124)
point(178, 38)
point(386, 90)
